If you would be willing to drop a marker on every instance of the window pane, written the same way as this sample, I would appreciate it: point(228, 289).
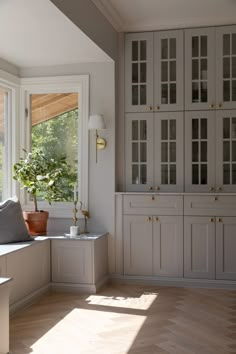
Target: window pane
point(172, 70)
point(226, 128)
point(143, 50)
point(135, 50)
point(172, 48)
point(143, 174)
point(203, 128)
point(3, 97)
point(135, 130)
point(135, 73)
point(172, 152)
point(54, 119)
point(203, 174)
point(164, 71)
point(233, 43)
point(143, 130)
point(195, 151)
point(226, 44)
point(143, 74)
point(195, 71)
point(164, 49)
point(172, 129)
point(164, 174)
point(195, 92)
point(143, 94)
point(134, 152)
point(226, 151)
point(195, 178)
point(143, 152)
point(226, 174)
point(226, 90)
point(164, 152)
point(195, 129)
point(226, 68)
point(172, 174)
point(203, 46)
point(164, 129)
point(135, 95)
point(135, 176)
point(195, 50)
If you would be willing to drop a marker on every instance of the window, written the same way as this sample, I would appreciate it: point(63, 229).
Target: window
point(3, 100)
point(56, 121)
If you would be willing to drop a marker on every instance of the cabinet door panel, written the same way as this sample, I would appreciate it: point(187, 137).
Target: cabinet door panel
point(138, 245)
point(199, 151)
point(139, 72)
point(168, 246)
point(139, 151)
point(168, 152)
point(168, 70)
point(226, 67)
point(226, 151)
point(225, 248)
point(200, 68)
point(199, 247)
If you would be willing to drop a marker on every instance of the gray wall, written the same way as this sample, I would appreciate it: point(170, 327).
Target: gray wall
point(85, 15)
point(101, 174)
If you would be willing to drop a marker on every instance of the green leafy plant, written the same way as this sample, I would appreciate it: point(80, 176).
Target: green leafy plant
point(45, 177)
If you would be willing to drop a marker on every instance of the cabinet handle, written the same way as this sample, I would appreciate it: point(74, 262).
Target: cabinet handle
point(219, 189)
point(149, 218)
point(150, 108)
point(215, 198)
point(157, 188)
point(211, 189)
point(220, 105)
point(150, 188)
point(211, 220)
point(153, 198)
point(212, 105)
point(157, 218)
point(158, 107)
point(219, 220)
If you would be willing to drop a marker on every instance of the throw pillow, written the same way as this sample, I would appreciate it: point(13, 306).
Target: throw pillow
point(12, 224)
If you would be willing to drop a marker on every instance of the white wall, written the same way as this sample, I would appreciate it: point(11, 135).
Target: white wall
point(102, 174)
point(85, 15)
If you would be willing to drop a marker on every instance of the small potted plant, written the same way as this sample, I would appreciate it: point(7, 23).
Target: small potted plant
point(44, 178)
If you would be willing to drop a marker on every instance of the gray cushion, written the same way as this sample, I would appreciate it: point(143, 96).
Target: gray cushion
point(12, 224)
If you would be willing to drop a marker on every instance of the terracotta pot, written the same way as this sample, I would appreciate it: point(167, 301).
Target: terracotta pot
point(36, 222)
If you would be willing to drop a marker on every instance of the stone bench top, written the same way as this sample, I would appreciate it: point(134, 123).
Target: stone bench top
point(3, 280)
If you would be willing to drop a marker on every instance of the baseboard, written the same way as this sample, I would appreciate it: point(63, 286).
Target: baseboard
point(28, 300)
point(178, 282)
point(81, 288)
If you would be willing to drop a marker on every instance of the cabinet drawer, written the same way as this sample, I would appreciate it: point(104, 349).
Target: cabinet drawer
point(210, 205)
point(153, 205)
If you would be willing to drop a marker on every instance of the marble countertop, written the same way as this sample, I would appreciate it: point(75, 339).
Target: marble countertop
point(3, 280)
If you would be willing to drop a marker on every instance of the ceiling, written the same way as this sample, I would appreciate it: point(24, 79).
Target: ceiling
point(35, 33)
point(142, 15)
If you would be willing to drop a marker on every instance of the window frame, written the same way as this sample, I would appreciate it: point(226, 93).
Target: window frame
point(58, 84)
point(10, 84)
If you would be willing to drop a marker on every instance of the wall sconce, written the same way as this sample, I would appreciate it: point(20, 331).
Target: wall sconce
point(97, 122)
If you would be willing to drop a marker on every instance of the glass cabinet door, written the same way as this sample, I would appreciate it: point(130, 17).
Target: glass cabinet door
point(200, 69)
point(168, 152)
point(139, 152)
point(168, 70)
point(139, 72)
point(200, 151)
point(226, 151)
point(226, 67)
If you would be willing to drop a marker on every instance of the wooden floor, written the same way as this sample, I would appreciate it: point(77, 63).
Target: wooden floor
point(128, 319)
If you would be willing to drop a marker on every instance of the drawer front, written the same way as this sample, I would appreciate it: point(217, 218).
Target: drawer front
point(210, 205)
point(153, 204)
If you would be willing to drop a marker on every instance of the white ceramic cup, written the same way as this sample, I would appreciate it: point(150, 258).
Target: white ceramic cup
point(74, 230)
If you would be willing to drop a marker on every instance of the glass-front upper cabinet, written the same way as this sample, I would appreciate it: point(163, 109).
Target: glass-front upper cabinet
point(168, 152)
point(139, 72)
point(168, 71)
point(226, 67)
point(226, 151)
point(139, 151)
point(200, 69)
point(200, 151)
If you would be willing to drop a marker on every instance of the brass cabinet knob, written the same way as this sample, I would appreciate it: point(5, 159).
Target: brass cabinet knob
point(157, 107)
point(153, 198)
point(150, 188)
point(157, 218)
point(211, 219)
point(150, 108)
point(219, 189)
point(157, 188)
point(219, 220)
point(215, 198)
point(220, 105)
point(212, 105)
point(149, 218)
point(211, 189)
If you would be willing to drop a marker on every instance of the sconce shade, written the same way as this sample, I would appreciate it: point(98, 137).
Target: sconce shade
point(96, 122)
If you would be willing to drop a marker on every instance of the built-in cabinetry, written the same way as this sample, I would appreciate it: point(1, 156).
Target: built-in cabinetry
point(80, 263)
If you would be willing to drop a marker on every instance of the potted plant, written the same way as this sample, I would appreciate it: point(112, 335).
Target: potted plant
point(44, 178)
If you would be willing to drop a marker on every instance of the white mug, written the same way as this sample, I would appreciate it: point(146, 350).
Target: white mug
point(74, 230)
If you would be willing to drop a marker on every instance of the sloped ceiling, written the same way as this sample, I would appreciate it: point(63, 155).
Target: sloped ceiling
point(35, 33)
point(142, 15)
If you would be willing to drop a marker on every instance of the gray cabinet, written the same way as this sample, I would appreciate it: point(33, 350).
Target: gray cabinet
point(154, 71)
point(226, 67)
point(225, 248)
point(199, 247)
point(168, 71)
point(154, 150)
point(200, 68)
point(139, 72)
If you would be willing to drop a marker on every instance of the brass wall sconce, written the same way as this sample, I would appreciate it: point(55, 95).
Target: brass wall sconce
point(97, 122)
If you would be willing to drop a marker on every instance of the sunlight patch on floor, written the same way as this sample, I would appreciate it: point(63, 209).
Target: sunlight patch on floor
point(140, 303)
point(81, 331)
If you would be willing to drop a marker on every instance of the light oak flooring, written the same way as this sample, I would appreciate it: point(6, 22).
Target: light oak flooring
point(128, 319)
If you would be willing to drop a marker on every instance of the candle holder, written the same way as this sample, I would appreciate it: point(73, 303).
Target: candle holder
point(74, 230)
point(75, 219)
point(86, 216)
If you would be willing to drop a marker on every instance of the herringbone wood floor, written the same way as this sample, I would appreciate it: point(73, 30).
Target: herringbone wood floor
point(128, 319)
